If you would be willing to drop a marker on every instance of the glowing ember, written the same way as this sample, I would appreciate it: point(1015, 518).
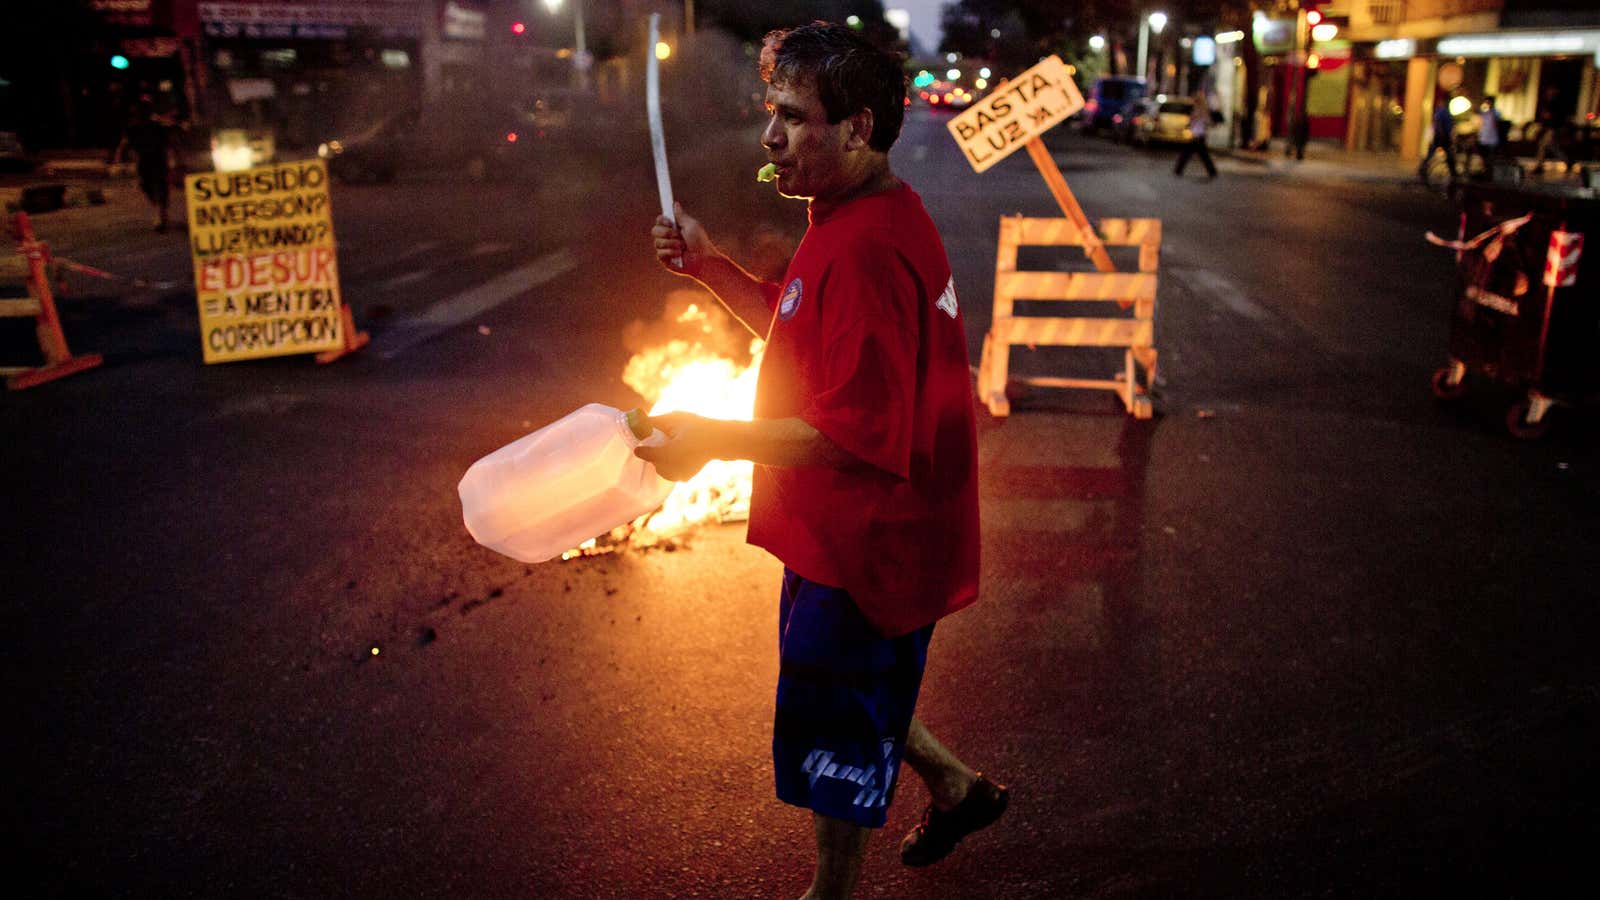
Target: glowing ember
point(696, 369)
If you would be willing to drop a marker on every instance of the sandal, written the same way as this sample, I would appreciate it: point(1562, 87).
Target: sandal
point(941, 830)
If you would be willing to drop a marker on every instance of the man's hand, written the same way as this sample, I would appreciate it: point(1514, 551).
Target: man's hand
point(691, 443)
point(687, 241)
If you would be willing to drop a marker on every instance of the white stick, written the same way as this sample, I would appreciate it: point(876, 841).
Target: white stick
point(658, 138)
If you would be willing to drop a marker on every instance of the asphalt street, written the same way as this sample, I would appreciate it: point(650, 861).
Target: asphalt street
point(1305, 633)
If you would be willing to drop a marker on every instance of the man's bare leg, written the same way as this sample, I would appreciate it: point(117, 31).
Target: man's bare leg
point(947, 777)
point(841, 847)
point(963, 801)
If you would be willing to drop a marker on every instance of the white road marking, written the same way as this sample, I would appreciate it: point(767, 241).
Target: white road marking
point(416, 249)
point(405, 279)
point(475, 301)
point(1221, 290)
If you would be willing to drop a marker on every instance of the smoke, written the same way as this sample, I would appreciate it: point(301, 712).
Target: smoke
point(697, 319)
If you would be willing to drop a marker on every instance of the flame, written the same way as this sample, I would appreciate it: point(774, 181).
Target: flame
point(692, 371)
point(683, 375)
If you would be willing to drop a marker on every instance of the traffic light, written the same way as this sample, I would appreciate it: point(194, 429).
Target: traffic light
point(518, 28)
point(119, 62)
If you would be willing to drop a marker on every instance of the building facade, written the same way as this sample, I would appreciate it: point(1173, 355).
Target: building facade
point(1537, 58)
point(293, 73)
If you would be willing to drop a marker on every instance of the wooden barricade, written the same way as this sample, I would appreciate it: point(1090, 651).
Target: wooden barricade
point(1135, 291)
point(40, 303)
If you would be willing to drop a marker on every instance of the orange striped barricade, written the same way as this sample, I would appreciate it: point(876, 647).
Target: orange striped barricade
point(38, 301)
point(1133, 291)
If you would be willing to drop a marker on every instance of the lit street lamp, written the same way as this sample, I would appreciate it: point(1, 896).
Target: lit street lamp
point(1153, 22)
point(1097, 43)
point(580, 58)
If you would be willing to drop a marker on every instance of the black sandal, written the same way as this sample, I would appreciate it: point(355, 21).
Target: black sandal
point(941, 830)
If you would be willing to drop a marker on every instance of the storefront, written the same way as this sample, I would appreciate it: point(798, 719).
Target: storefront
point(1538, 79)
point(76, 72)
point(455, 54)
point(290, 75)
point(1377, 103)
point(1302, 74)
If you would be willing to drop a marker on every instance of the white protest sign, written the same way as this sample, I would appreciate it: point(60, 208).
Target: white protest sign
point(1015, 113)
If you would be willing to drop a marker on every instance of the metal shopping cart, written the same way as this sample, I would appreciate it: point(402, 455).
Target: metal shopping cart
point(1527, 305)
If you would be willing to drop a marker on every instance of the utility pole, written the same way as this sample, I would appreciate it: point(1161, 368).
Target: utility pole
point(1297, 80)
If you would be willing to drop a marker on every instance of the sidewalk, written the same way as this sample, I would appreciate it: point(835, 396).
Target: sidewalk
point(1325, 160)
point(101, 213)
point(1331, 162)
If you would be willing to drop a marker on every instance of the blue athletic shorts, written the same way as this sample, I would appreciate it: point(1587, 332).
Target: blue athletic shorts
point(845, 698)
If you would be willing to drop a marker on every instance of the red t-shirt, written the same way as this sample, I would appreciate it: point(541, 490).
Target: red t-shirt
point(868, 347)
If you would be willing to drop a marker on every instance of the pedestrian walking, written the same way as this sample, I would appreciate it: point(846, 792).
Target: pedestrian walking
point(1199, 122)
point(1444, 133)
point(1553, 136)
point(148, 135)
point(865, 447)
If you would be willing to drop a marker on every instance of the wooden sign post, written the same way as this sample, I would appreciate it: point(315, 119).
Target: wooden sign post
point(1014, 116)
point(1069, 204)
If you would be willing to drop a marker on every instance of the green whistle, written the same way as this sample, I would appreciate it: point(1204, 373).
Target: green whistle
point(768, 172)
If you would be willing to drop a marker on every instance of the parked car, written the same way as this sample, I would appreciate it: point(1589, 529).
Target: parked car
point(1109, 100)
point(483, 141)
point(1158, 120)
point(375, 153)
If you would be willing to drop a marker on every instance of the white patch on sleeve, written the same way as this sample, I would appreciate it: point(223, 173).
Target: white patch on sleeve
point(947, 300)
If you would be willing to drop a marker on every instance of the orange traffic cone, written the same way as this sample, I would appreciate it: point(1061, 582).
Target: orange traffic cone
point(41, 304)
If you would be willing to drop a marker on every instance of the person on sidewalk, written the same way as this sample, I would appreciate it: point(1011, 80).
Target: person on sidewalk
point(1491, 128)
point(865, 446)
point(1299, 136)
point(1199, 122)
point(1444, 135)
point(149, 135)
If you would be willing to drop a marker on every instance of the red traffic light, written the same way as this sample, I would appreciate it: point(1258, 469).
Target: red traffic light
point(518, 28)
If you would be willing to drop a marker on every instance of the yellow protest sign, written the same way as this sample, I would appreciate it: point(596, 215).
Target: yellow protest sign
point(1015, 113)
point(266, 273)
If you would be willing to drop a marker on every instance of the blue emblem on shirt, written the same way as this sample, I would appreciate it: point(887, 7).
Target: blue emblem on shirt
point(790, 301)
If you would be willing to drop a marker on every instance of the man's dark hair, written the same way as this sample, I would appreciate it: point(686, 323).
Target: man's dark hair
point(851, 74)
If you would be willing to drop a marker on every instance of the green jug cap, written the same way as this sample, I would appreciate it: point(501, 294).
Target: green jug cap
point(638, 423)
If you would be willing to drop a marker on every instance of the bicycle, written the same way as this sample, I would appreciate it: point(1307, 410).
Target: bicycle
point(1435, 171)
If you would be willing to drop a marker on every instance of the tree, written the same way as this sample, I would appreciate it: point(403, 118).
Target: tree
point(749, 21)
point(1030, 29)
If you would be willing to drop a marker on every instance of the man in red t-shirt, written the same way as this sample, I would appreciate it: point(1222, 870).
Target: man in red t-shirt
point(865, 451)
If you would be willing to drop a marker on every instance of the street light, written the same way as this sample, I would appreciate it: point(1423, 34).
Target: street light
point(1153, 22)
point(581, 58)
point(1097, 42)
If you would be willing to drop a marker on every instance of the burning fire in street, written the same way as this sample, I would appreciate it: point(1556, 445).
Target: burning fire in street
point(694, 360)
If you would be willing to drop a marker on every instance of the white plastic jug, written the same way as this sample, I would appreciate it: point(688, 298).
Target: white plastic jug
point(572, 480)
